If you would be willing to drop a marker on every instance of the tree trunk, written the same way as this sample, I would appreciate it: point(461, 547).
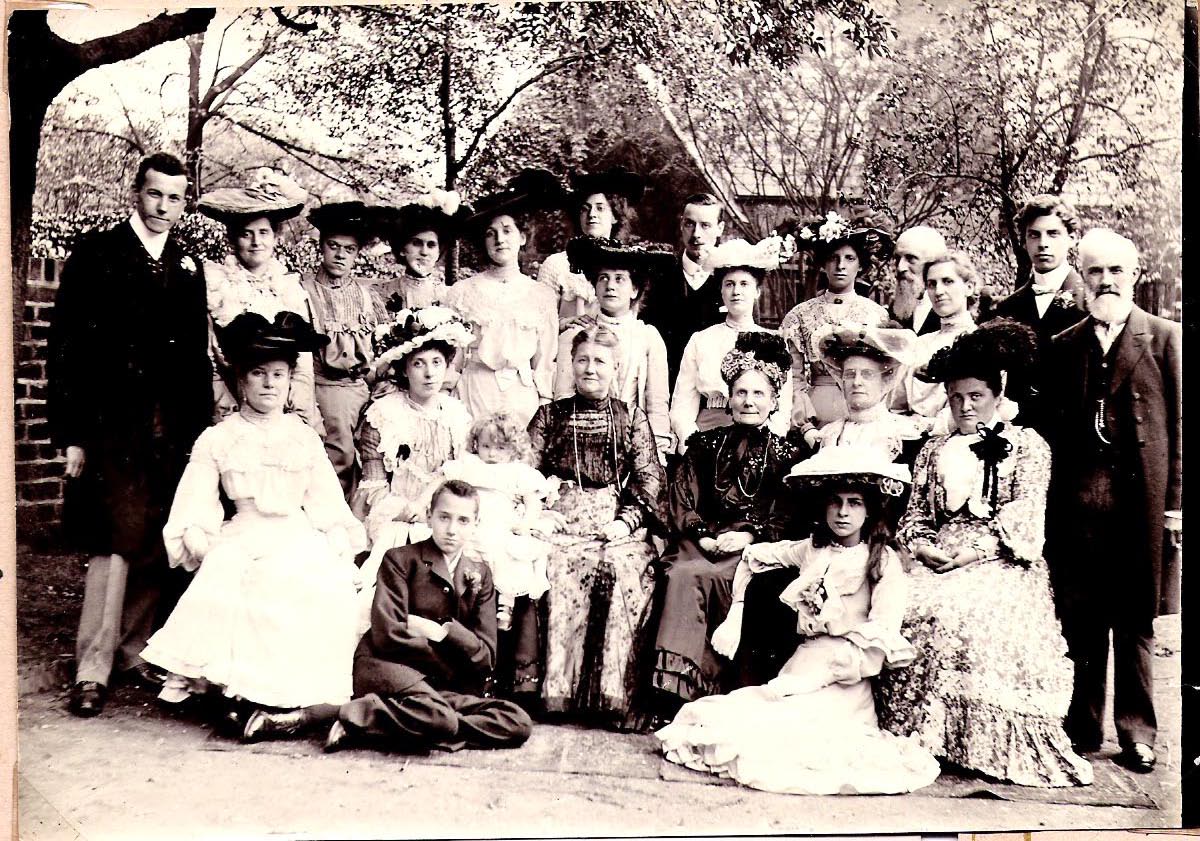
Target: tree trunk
point(451, 256)
point(197, 117)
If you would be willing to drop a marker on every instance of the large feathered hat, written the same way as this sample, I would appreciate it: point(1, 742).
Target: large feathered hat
point(890, 344)
point(588, 255)
point(858, 226)
point(853, 466)
point(440, 211)
point(268, 192)
point(758, 350)
point(998, 347)
point(410, 329)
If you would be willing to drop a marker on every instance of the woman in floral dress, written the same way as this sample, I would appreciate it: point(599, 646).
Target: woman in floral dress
point(510, 366)
point(844, 249)
point(612, 494)
point(598, 206)
point(251, 279)
point(993, 682)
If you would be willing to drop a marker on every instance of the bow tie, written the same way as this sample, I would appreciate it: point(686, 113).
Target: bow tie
point(1040, 289)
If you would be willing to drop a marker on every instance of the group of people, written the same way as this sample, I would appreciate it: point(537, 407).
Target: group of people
point(426, 513)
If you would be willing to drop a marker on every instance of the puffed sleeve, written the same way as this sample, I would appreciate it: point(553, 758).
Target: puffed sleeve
point(685, 491)
point(917, 526)
point(761, 557)
point(197, 503)
point(685, 400)
point(326, 506)
point(1021, 522)
point(545, 358)
point(564, 377)
point(646, 504)
point(878, 639)
point(658, 389)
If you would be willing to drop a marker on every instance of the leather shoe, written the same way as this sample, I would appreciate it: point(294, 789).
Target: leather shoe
point(145, 676)
point(1138, 758)
point(87, 698)
point(338, 738)
point(264, 725)
point(1086, 747)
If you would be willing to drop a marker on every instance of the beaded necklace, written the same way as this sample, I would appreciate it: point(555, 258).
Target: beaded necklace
point(762, 474)
point(611, 436)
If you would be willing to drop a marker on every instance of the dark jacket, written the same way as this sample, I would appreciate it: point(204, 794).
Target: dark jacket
point(678, 311)
point(415, 580)
point(1028, 388)
point(129, 381)
point(1144, 404)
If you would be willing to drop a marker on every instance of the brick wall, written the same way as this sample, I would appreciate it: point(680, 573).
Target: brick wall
point(39, 467)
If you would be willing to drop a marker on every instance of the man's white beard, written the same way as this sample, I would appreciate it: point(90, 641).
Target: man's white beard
point(904, 303)
point(1110, 308)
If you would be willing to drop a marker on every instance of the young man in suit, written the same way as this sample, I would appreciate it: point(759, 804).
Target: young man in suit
point(911, 307)
point(129, 391)
point(421, 672)
point(1052, 300)
point(687, 300)
point(1115, 428)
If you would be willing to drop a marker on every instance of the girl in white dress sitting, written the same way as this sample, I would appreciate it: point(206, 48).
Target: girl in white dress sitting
point(269, 618)
point(812, 729)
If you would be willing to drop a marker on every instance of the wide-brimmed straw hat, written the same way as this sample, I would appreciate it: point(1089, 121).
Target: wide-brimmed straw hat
point(853, 465)
point(614, 181)
point(411, 329)
point(893, 345)
point(268, 192)
point(529, 191)
point(250, 336)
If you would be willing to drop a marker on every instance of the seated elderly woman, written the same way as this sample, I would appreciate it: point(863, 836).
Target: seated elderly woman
point(251, 279)
point(623, 275)
point(269, 618)
point(700, 400)
point(993, 684)
point(600, 573)
point(726, 494)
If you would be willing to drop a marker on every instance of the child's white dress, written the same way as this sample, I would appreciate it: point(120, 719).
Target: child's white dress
point(813, 730)
point(517, 560)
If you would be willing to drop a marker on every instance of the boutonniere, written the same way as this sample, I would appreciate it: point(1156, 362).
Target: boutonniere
point(1063, 299)
point(472, 579)
point(188, 265)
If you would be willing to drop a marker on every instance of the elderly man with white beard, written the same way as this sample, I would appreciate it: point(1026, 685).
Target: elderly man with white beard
point(911, 307)
point(1115, 429)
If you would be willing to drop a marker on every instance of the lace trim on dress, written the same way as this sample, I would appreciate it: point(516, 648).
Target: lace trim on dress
point(282, 443)
point(233, 290)
point(521, 301)
point(399, 422)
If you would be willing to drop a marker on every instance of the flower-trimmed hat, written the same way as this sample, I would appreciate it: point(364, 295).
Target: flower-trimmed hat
point(268, 193)
point(410, 329)
point(763, 256)
point(890, 344)
point(859, 227)
point(614, 181)
point(250, 338)
point(760, 351)
point(853, 465)
point(440, 211)
point(987, 353)
point(528, 191)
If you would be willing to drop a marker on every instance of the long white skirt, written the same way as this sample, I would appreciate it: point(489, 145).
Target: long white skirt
point(271, 615)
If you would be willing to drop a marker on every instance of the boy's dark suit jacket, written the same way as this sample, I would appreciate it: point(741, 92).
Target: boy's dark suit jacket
point(678, 311)
point(415, 580)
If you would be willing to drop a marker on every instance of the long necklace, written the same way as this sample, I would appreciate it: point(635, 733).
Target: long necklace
point(610, 436)
point(762, 475)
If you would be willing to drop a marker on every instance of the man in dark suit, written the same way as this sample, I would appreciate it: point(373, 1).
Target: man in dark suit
point(1114, 388)
point(421, 673)
point(910, 305)
point(1052, 300)
point(129, 391)
point(687, 300)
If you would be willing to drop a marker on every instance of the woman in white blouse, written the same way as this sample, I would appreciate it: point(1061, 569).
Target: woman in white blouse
point(701, 395)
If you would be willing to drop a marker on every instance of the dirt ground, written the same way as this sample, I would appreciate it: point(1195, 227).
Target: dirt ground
point(143, 771)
